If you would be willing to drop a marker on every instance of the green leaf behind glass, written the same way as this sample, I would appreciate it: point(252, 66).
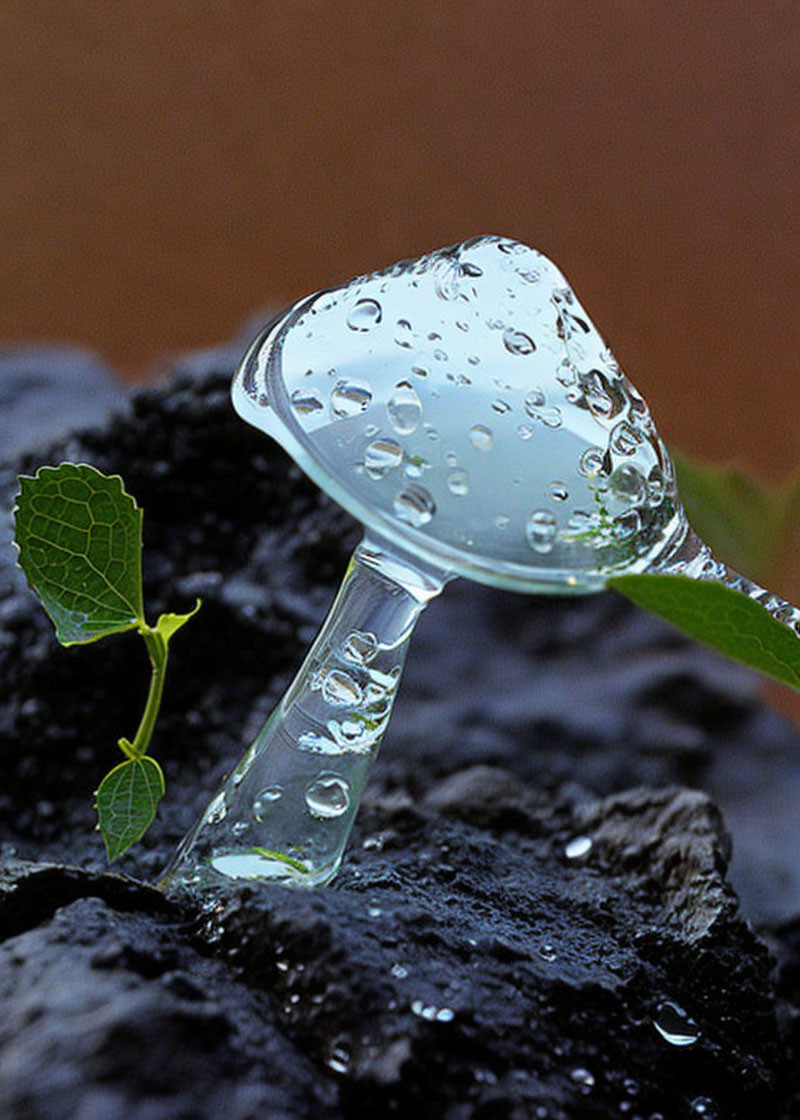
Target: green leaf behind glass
point(127, 801)
point(727, 620)
point(745, 522)
point(79, 536)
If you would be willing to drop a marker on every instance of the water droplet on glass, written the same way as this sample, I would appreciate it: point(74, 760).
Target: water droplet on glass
point(547, 952)
point(557, 491)
point(501, 406)
point(580, 520)
point(399, 972)
point(604, 396)
point(415, 506)
point(516, 342)
point(537, 409)
point(550, 417)
point(656, 487)
point(240, 828)
point(404, 334)
point(349, 399)
point(365, 315)
point(674, 1025)
point(628, 484)
point(458, 482)
point(578, 848)
point(566, 374)
point(469, 269)
point(474, 360)
point(524, 431)
point(306, 402)
point(431, 432)
point(382, 455)
point(540, 530)
point(317, 743)
point(265, 800)
point(360, 647)
point(404, 408)
point(502, 522)
point(340, 690)
point(626, 525)
point(481, 437)
point(440, 355)
point(419, 371)
point(328, 796)
point(217, 810)
point(511, 247)
point(591, 462)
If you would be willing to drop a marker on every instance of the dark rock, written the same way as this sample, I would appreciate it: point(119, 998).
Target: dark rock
point(523, 726)
point(111, 1013)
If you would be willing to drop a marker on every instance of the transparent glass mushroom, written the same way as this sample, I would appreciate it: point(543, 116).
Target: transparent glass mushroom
point(466, 411)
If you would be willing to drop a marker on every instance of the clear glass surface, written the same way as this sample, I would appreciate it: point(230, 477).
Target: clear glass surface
point(465, 409)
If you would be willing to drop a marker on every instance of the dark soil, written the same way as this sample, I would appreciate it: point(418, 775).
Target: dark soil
point(462, 966)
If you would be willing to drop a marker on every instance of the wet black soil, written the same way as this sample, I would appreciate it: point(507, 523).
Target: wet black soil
point(471, 961)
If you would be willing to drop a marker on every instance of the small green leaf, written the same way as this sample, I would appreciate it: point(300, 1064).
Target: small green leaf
point(127, 801)
point(727, 620)
point(79, 536)
point(169, 624)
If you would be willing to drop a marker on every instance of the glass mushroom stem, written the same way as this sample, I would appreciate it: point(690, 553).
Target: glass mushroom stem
point(466, 411)
point(286, 811)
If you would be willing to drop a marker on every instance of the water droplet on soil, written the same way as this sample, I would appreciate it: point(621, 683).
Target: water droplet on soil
point(674, 1025)
point(578, 848)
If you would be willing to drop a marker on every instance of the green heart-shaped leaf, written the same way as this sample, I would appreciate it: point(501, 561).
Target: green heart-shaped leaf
point(127, 801)
point(79, 536)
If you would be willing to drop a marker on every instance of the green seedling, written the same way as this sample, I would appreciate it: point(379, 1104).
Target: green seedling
point(79, 536)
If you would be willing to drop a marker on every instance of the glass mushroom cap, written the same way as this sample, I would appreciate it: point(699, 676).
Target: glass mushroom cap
point(466, 411)
point(464, 408)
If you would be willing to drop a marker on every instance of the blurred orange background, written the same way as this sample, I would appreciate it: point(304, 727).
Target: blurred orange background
point(172, 166)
